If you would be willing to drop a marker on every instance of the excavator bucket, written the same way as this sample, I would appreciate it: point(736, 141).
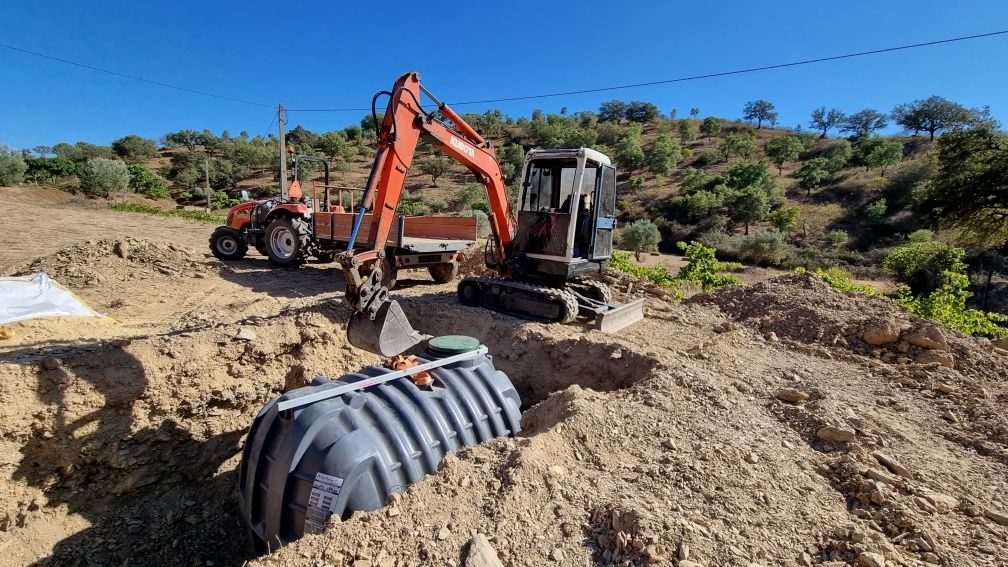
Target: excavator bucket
point(620, 316)
point(388, 334)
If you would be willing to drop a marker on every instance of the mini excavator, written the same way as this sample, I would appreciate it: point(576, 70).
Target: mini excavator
point(544, 256)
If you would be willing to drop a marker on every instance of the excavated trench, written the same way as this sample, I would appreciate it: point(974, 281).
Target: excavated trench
point(537, 363)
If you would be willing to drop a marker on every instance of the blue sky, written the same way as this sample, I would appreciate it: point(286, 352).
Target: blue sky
point(335, 54)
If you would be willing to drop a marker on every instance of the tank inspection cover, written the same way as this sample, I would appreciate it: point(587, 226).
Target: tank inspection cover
point(347, 452)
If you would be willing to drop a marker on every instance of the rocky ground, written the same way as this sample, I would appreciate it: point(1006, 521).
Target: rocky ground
point(778, 423)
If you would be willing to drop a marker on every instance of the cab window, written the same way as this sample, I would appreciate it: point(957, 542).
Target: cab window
point(549, 185)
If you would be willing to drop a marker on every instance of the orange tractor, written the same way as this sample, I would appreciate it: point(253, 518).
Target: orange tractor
point(292, 230)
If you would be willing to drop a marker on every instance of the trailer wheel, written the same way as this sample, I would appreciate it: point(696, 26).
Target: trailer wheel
point(286, 241)
point(227, 243)
point(444, 273)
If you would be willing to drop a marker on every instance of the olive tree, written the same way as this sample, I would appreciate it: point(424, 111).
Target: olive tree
point(641, 236)
point(103, 177)
point(12, 166)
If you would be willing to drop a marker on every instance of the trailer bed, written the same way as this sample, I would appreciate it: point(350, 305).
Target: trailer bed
point(426, 234)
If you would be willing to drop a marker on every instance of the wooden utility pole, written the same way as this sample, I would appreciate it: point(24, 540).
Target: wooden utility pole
point(282, 119)
point(209, 192)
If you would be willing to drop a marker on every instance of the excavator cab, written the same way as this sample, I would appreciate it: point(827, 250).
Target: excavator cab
point(566, 208)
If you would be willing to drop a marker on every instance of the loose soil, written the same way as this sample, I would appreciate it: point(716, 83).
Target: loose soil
point(776, 423)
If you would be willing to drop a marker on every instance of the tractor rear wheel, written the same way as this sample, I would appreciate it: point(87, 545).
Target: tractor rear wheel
point(227, 243)
point(287, 241)
point(444, 273)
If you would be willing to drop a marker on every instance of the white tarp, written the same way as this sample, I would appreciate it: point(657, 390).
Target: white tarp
point(28, 297)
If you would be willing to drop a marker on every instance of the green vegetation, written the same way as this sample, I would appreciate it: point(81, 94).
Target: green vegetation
point(761, 111)
point(825, 120)
point(12, 166)
point(921, 265)
point(641, 236)
point(702, 269)
point(148, 183)
point(436, 167)
point(783, 149)
point(103, 177)
point(840, 279)
point(199, 216)
point(133, 148)
point(947, 305)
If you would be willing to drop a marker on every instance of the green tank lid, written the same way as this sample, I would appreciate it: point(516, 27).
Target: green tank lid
point(453, 344)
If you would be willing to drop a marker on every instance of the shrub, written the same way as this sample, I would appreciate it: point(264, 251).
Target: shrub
point(654, 274)
point(703, 267)
point(766, 247)
point(435, 167)
point(12, 166)
point(785, 218)
point(708, 157)
point(474, 196)
point(200, 216)
point(635, 183)
point(920, 235)
point(876, 209)
point(437, 205)
point(641, 236)
point(947, 305)
point(102, 177)
point(410, 205)
point(922, 265)
point(838, 237)
point(482, 221)
point(840, 279)
point(146, 182)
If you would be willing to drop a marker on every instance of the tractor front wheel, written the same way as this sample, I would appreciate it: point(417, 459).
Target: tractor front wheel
point(227, 243)
point(287, 241)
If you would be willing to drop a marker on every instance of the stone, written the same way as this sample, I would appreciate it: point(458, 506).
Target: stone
point(892, 464)
point(929, 337)
point(683, 553)
point(685, 563)
point(557, 554)
point(246, 334)
point(752, 458)
point(121, 249)
point(557, 471)
point(942, 502)
point(880, 333)
point(443, 534)
point(836, 434)
point(996, 516)
point(51, 363)
point(869, 559)
point(481, 553)
point(1001, 343)
point(999, 351)
point(949, 417)
point(792, 396)
point(941, 358)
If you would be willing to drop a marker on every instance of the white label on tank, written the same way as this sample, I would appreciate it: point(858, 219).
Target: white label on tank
point(321, 502)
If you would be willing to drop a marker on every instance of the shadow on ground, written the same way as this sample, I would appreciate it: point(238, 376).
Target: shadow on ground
point(149, 486)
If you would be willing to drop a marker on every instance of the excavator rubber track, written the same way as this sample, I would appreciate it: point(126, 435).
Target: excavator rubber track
point(542, 303)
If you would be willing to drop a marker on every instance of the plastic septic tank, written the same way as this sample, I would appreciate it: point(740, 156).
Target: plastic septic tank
point(320, 451)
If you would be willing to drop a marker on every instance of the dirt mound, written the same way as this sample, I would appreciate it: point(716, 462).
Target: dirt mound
point(804, 309)
point(93, 263)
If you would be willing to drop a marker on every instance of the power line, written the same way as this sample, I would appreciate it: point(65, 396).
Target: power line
point(530, 97)
point(133, 77)
point(272, 121)
point(694, 77)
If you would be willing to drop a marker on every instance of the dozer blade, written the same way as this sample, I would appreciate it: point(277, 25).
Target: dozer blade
point(389, 334)
point(620, 316)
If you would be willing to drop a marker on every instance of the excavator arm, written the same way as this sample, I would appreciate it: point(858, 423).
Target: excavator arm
point(378, 324)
